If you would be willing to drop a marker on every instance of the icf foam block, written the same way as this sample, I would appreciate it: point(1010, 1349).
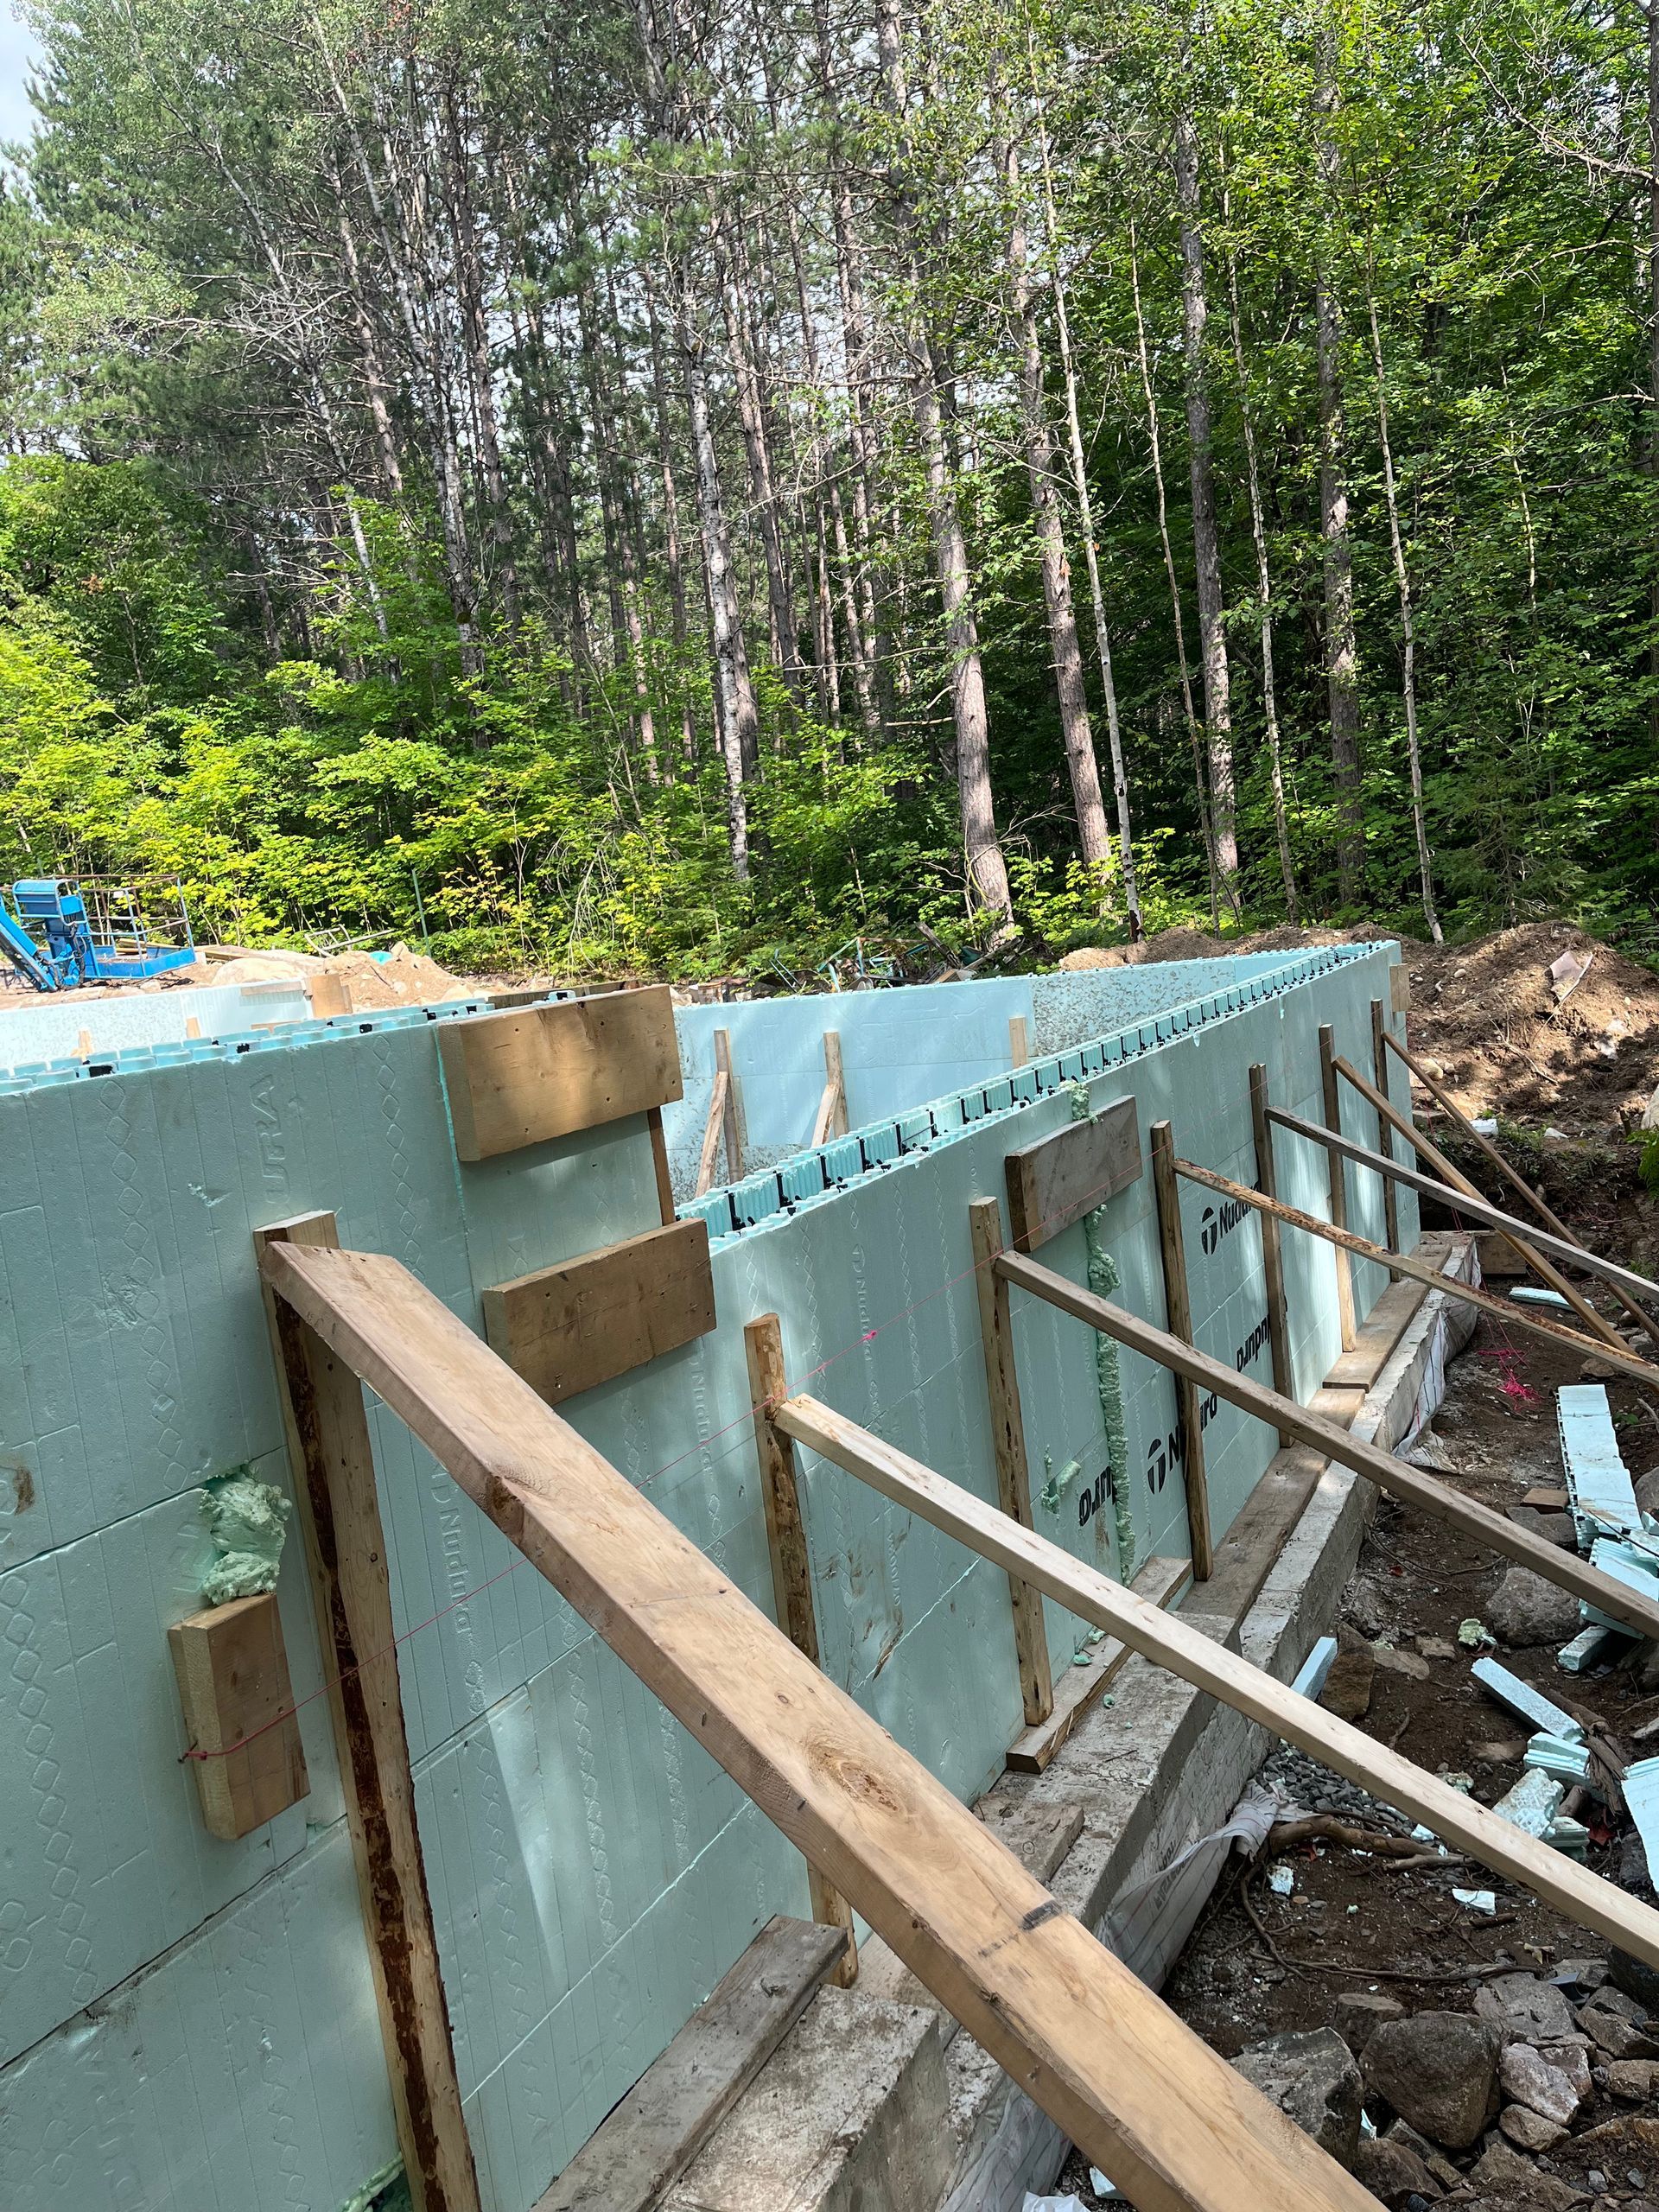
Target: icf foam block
point(106, 1862)
point(243, 2072)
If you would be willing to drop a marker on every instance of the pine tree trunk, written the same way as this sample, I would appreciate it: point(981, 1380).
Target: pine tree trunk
point(1087, 801)
point(463, 218)
point(1341, 640)
point(1086, 523)
point(1408, 633)
point(1206, 549)
point(988, 873)
point(1264, 592)
point(1154, 439)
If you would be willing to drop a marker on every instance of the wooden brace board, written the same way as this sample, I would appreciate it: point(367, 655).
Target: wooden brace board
point(1172, 2123)
point(567, 1328)
point(540, 1071)
point(1170, 1641)
point(231, 1665)
point(1059, 1179)
point(1400, 1479)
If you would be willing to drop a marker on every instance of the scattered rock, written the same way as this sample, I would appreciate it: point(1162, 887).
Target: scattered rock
point(1647, 1491)
point(1552, 1528)
point(1500, 1751)
point(1358, 2013)
point(1524, 2008)
point(1438, 2164)
point(1531, 2081)
point(1525, 1610)
point(1363, 1606)
point(1436, 1647)
point(1503, 2178)
point(1529, 2130)
point(1400, 1663)
point(1436, 2070)
point(1614, 2032)
point(1393, 2173)
point(1314, 2082)
point(1631, 2080)
point(1347, 1691)
point(1629, 2140)
point(1572, 2060)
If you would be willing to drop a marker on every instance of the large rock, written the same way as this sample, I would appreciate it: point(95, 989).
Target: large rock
point(1614, 2031)
point(1530, 2082)
point(1393, 2174)
point(1314, 2082)
point(1524, 2008)
point(1554, 1527)
point(1437, 2070)
point(1572, 2059)
point(1524, 1609)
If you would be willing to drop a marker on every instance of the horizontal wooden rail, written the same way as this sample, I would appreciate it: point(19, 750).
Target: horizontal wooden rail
point(1468, 1204)
point(1167, 1640)
point(1410, 1484)
point(1172, 2123)
point(1402, 1263)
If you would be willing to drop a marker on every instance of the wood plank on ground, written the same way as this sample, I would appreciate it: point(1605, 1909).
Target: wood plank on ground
point(1059, 1179)
point(640, 2150)
point(231, 1666)
point(569, 1327)
point(1161, 1582)
point(538, 1071)
point(1169, 1641)
point(1170, 2123)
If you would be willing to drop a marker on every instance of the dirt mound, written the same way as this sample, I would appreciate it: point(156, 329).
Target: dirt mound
point(400, 977)
point(1489, 1018)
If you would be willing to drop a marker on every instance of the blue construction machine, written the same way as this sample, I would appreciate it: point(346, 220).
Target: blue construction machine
point(58, 935)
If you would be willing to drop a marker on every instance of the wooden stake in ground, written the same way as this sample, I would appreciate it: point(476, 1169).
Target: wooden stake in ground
point(1411, 1484)
point(1338, 1187)
point(1172, 2123)
point(1384, 1134)
point(346, 1553)
point(1273, 1258)
point(1177, 1306)
point(792, 1571)
point(1008, 1439)
point(831, 1120)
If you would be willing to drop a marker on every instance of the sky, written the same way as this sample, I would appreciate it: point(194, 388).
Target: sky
point(17, 52)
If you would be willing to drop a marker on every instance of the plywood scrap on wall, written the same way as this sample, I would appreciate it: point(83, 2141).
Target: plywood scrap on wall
point(1056, 1180)
point(238, 1709)
point(569, 1327)
point(539, 1072)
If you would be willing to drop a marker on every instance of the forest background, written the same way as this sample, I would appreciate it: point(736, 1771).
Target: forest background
point(654, 487)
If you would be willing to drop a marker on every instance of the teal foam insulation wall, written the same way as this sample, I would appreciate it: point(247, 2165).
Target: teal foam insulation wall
point(902, 1048)
point(190, 2025)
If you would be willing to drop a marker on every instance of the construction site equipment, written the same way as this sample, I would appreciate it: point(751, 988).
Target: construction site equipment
point(59, 934)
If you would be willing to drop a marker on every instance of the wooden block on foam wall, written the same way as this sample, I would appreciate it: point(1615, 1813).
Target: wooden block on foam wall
point(566, 1328)
point(538, 1071)
point(1059, 1179)
point(1400, 988)
point(232, 1667)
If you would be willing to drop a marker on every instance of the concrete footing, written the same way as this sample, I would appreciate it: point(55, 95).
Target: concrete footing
point(877, 2100)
